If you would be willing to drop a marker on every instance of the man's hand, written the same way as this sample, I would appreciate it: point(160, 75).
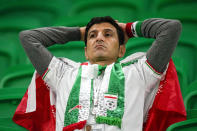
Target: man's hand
point(123, 26)
point(82, 30)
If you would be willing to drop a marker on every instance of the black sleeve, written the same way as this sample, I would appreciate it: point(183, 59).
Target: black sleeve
point(36, 41)
point(166, 33)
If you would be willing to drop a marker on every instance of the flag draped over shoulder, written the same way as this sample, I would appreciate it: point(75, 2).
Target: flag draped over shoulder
point(36, 111)
point(168, 106)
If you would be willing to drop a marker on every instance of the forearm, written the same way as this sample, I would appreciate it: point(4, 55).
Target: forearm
point(166, 32)
point(35, 43)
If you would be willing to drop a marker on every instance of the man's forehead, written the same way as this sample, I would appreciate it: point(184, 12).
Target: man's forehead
point(102, 26)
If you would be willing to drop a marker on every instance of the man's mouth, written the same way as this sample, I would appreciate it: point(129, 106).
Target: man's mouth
point(98, 46)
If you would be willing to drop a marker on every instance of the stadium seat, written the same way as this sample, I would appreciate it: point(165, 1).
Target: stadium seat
point(188, 125)
point(10, 26)
point(123, 10)
point(192, 87)
point(9, 32)
point(7, 23)
point(186, 50)
point(138, 45)
point(184, 10)
point(9, 100)
point(8, 55)
point(8, 125)
point(186, 54)
point(44, 12)
point(71, 50)
point(164, 3)
point(182, 76)
point(73, 21)
point(190, 101)
point(17, 77)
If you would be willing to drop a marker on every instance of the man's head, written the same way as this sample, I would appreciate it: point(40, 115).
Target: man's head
point(107, 19)
point(104, 40)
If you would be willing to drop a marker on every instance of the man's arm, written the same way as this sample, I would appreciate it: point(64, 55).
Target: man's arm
point(35, 42)
point(166, 32)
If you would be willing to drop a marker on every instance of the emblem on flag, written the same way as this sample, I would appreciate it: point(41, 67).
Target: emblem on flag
point(110, 101)
point(76, 107)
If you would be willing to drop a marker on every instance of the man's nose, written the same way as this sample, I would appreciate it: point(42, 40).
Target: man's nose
point(100, 37)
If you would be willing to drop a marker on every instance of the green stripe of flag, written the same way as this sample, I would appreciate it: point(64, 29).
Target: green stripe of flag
point(152, 69)
point(116, 86)
point(72, 116)
point(45, 74)
point(138, 28)
point(128, 63)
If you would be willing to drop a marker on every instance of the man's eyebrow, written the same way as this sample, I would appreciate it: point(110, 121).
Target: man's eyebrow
point(93, 31)
point(108, 30)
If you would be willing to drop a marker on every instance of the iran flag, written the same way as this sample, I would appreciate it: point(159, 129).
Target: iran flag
point(168, 106)
point(36, 111)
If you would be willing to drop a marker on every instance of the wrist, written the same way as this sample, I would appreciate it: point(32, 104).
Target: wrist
point(129, 30)
point(133, 29)
point(82, 30)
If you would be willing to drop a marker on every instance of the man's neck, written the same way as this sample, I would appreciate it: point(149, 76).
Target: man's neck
point(102, 63)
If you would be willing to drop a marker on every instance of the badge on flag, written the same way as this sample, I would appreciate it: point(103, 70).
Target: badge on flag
point(110, 101)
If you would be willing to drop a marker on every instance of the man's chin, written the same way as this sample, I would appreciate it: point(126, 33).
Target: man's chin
point(99, 54)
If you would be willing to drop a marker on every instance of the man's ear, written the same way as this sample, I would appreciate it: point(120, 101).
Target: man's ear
point(122, 50)
point(86, 54)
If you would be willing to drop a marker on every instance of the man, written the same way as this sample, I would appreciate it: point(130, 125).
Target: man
point(103, 94)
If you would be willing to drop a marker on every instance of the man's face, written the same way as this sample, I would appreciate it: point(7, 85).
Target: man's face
point(103, 44)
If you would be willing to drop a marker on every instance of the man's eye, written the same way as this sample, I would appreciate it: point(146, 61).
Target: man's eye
point(107, 34)
point(92, 36)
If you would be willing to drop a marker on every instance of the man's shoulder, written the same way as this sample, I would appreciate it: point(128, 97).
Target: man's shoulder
point(69, 62)
point(133, 58)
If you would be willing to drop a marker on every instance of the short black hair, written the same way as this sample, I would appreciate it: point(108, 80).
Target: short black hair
point(108, 19)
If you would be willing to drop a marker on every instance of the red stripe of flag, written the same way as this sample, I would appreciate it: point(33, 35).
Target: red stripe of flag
point(85, 63)
point(111, 97)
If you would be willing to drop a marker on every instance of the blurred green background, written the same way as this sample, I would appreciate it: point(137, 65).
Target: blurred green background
point(17, 15)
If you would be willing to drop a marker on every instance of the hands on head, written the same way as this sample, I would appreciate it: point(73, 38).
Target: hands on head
point(82, 30)
point(123, 26)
